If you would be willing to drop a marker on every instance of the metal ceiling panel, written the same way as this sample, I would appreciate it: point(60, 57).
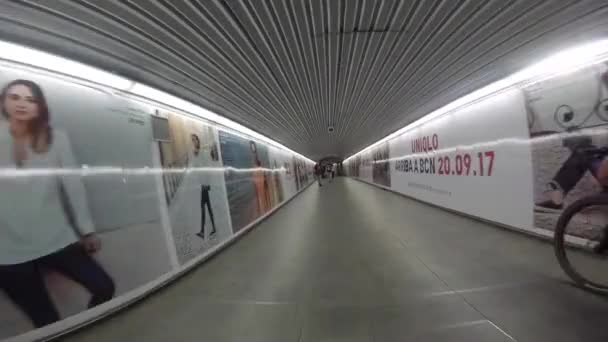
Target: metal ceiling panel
point(290, 68)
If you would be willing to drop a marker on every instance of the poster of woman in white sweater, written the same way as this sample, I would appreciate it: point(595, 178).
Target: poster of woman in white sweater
point(45, 222)
point(80, 201)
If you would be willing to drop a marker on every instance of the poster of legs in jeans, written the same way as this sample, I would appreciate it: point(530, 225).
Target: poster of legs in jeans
point(193, 182)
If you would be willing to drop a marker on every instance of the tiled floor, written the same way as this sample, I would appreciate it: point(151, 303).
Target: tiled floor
point(350, 262)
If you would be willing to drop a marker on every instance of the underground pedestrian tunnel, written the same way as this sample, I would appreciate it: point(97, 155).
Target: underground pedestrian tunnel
point(303, 170)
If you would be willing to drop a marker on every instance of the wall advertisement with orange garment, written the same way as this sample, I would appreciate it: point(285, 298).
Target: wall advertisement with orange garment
point(249, 182)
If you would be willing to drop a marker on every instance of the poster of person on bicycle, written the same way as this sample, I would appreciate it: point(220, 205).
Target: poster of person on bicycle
point(568, 121)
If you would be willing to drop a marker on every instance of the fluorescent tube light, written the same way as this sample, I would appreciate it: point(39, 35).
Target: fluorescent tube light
point(43, 60)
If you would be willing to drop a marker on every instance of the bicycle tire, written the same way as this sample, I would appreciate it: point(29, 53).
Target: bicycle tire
point(560, 240)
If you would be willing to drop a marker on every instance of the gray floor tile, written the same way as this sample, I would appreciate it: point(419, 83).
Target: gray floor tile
point(350, 262)
point(476, 331)
point(421, 315)
point(336, 323)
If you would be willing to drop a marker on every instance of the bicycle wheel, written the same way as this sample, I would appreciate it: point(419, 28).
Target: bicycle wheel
point(579, 229)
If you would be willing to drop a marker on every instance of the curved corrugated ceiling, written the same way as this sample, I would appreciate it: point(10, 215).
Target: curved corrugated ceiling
point(291, 68)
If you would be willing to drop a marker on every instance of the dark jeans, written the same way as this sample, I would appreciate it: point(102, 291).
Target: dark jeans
point(206, 202)
point(574, 169)
point(24, 285)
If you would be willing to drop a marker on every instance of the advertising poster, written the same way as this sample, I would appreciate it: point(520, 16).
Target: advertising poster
point(249, 183)
point(295, 172)
point(193, 183)
point(381, 170)
point(284, 177)
point(475, 160)
point(355, 166)
point(301, 172)
point(366, 170)
point(568, 120)
point(519, 157)
point(307, 172)
point(277, 179)
point(77, 228)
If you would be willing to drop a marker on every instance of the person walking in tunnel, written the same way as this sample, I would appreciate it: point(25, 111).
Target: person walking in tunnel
point(45, 220)
point(318, 170)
